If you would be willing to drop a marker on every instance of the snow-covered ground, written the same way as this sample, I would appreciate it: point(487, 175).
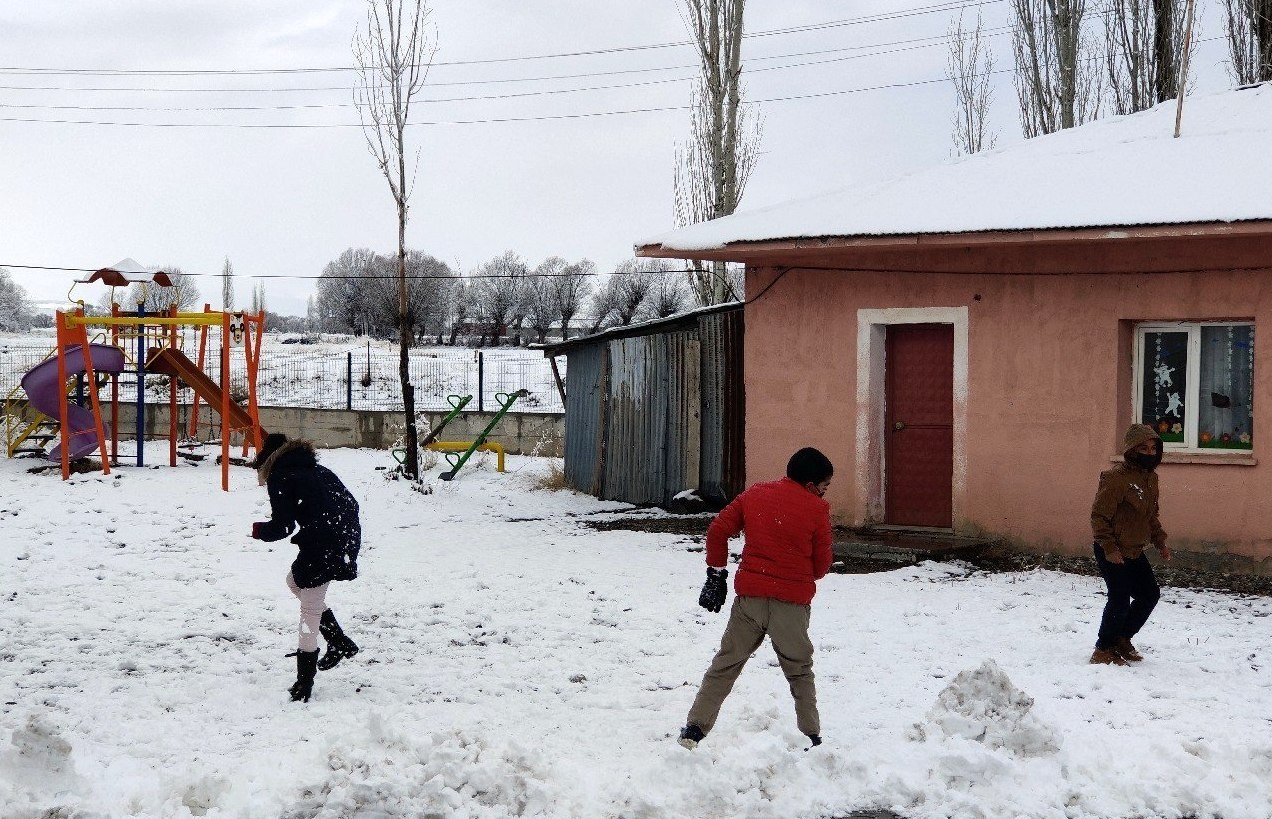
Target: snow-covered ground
point(516, 662)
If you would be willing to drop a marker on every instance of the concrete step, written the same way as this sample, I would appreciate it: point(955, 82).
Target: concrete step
point(902, 546)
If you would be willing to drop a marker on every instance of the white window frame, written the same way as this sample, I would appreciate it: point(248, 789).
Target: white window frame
point(1192, 377)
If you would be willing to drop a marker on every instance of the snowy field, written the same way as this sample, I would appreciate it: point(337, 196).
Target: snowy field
point(338, 372)
point(516, 662)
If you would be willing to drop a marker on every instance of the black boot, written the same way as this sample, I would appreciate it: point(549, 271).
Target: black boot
point(338, 645)
point(306, 670)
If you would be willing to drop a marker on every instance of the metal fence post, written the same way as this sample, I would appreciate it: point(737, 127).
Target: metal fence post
point(349, 381)
point(481, 374)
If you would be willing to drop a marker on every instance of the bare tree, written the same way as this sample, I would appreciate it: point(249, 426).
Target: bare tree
point(1168, 45)
point(258, 297)
point(343, 301)
point(428, 286)
point(227, 286)
point(183, 293)
point(570, 290)
point(15, 307)
point(605, 302)
point(634, 281)
point(393, 56)
point(500, 292)
point(540, 296)
point(1248, 24)
point(667, 296)
point(713, 167)
point(1143, 41)
point(1057, 81)
point(969, 66)
point(463, 308)
point(379, 283)
point(431, 287)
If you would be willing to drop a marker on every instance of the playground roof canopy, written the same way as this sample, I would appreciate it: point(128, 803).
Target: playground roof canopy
point(126, 272)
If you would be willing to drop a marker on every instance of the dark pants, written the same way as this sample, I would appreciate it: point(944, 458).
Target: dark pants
point(1133, 593)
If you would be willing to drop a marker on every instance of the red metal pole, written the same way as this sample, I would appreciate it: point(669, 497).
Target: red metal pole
point(91, 375)
point(253, 364)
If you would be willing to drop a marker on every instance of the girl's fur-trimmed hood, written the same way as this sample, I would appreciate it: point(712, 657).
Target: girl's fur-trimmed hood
point(293, 453)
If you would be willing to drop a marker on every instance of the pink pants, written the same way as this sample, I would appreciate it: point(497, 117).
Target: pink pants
point(313, 602)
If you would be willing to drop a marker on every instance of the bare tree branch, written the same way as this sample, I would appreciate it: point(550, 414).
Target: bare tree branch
point(969, 66)
point(1058, 84)
point(1144, 40)
point(713, 167)
point(1248, 25)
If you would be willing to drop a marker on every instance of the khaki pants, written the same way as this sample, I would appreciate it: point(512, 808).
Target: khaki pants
point(786, 625)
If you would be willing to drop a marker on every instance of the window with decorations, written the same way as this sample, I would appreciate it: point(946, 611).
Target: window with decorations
point(1194, 383)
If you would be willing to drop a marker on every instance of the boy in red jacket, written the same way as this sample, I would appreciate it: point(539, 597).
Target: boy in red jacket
point(787, 550)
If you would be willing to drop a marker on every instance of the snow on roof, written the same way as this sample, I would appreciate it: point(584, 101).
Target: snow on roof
point(128, 271)
point(1119, 171)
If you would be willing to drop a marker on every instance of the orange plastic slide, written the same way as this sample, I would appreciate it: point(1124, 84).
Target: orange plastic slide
point(168, 361)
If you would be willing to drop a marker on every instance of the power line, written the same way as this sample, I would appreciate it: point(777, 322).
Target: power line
point(928, 42)
point(478, 98)
point(950, 5)
point(508, 120)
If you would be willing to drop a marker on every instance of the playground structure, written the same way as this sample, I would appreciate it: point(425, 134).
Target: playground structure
point(457, 453)
point(58, 388)
point(457, 460)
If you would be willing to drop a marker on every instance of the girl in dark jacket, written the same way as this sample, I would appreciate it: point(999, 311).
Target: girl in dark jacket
point(309, 496)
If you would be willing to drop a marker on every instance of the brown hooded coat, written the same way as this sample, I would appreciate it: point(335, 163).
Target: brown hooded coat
point(1124, 516)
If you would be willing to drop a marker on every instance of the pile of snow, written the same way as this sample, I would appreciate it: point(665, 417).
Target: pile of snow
point(982, 705)
point(38, 761)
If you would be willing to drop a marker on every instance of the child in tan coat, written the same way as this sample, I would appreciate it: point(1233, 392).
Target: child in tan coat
point(1124, 521)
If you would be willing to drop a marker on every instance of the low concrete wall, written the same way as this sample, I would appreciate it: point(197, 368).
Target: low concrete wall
point(518, 433)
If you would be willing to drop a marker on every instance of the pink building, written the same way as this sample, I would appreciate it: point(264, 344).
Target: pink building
point(969, 343)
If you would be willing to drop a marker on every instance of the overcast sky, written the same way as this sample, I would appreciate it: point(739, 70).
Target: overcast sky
point(525, 144)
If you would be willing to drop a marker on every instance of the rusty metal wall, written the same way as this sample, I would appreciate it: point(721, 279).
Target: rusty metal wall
point(653, 425)
point(635, 458)
point(649, 416)
point(584, 417)
point(723, 474)
point(682, 436)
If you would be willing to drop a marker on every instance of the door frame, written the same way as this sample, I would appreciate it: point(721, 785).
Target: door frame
point(872, 325)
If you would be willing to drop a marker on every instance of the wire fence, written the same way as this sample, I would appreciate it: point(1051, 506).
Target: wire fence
point(291, 376)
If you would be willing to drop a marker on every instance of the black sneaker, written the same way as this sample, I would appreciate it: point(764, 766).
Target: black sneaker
point(815, 739)
point(690, 736)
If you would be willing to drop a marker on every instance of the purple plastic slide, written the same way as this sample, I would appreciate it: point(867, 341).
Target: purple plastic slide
point(44, 392)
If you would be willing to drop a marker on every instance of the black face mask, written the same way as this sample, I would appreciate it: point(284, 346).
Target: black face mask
point(1143, 461)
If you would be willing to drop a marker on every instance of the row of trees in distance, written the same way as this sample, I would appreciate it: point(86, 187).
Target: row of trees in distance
point(502, 299)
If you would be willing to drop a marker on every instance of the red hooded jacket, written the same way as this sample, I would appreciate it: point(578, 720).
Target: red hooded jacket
point(787, 548)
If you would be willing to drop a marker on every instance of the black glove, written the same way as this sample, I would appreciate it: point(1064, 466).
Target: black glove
point(714, 590)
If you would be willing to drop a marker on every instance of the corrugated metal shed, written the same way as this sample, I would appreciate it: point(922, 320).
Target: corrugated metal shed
point(654, 409)
point(723, 406)
point(584, 417)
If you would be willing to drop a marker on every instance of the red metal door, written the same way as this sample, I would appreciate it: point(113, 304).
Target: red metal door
point(920, 425)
